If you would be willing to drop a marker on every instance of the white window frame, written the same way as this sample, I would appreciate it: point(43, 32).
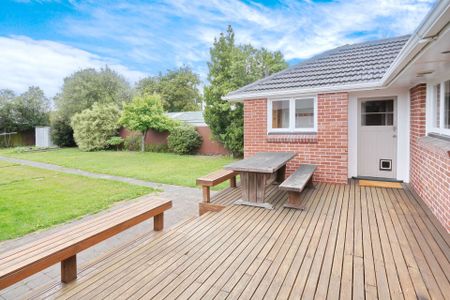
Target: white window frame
point(291, 128)
point(431, 108)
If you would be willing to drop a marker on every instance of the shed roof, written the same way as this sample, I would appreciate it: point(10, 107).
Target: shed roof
point(194, 118)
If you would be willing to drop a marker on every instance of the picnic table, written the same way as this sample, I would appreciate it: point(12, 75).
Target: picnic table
point(259, 171)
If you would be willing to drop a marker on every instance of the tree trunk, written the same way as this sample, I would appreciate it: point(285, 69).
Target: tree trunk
point(144, 133)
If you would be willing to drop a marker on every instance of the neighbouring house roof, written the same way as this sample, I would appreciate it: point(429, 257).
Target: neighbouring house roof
point(194, 118)
point(346, 65)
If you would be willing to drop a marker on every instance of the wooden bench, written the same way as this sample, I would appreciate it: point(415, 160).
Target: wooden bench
point(295, 184)
point(213, 179)
point(63, 245)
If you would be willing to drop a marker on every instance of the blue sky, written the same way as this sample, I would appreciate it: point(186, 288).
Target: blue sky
point(42, 41)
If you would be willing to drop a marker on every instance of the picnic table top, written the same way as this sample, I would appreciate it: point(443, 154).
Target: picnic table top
point(263, 162)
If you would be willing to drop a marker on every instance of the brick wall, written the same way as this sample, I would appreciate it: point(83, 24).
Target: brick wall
point(430, 161)
point(328, 149)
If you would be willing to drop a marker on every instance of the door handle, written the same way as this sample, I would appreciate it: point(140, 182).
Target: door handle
point(394, 136)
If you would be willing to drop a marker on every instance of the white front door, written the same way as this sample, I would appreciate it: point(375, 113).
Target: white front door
point(377, 138)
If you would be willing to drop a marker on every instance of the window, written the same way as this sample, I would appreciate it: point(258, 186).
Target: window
point(292, 115)
point(439, 114)
point(377, 113)
point(280, 114)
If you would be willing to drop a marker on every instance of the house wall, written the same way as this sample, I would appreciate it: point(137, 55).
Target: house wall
point(208, 146)
point(402, 96)
point(328, 149)
point(430, 162)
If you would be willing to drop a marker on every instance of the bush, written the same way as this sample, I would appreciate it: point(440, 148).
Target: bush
point(160, 148)
point(184, 139)
point(62, 132)
point(115, 141)
point(92, 128)
point(132, 142)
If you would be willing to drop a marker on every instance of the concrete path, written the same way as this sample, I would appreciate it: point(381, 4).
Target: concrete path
point(185, 205)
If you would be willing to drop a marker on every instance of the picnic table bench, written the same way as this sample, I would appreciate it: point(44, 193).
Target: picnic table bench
point(295, 184)
point(213, 179)
point(259, 171)
point(64, 245)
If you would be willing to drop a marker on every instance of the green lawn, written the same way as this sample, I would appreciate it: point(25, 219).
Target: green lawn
point(32, 199)
point(157, 167)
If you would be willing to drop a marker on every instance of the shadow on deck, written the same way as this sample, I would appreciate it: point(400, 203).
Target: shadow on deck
point(349, 242)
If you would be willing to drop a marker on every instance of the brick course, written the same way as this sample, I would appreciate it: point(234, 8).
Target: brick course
point(430, 164)
point(328, 149)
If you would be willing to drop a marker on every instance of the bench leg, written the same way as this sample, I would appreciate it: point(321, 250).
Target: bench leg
point(69, 269)
point(206, 194)
point(294, 201)
point(158, 222)
point(233, 182)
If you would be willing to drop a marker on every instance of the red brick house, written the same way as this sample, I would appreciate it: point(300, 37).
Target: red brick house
point(379, 109)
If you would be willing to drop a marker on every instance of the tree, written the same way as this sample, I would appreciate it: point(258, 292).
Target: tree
point(23, 112)
point(62, 132)
point(6, 98)
point(144, 113)
point(80, 91)
point(31, 109)
point(178, 89)
point(93, 127)
point(230, 68)
point(84, 88)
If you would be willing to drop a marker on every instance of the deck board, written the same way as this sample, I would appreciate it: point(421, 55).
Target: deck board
point(350, 242)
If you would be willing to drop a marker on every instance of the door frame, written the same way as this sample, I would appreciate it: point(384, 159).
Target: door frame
point(396, 132)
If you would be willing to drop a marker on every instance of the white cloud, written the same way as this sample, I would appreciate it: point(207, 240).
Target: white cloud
point(153, 36)
point(25, 62)
point(177, 29)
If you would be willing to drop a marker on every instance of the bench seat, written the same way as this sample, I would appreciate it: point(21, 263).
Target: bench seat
point(296, 183)
point(62, 246)
point(213, 179)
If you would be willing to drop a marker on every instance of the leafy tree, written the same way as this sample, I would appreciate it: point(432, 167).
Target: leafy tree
point(231, 67)
point(23, 112)
point(80, 91)
point(84, 88)
point(145, 113)
point(178, 89)
point(6, 98)
point(93, 127)
point(31, 109)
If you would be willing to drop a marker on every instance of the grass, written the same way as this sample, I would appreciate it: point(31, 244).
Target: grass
point(32, 199)
point(157, 167)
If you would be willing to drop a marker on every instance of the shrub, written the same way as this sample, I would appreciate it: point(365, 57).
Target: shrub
point(160, 148)
point(92, 128)
point(62, 132)
point(115, 141)
point(132, 142)
point(184, 139)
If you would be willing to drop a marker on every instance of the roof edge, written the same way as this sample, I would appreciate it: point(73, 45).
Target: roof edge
point(288, 92)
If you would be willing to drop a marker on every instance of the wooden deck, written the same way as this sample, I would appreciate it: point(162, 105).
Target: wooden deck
point(350, 242)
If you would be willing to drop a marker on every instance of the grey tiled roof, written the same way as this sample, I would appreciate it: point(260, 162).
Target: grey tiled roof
point(194, 118)
point(358, 63)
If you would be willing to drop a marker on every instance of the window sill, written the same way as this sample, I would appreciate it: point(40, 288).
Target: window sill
point(436, 145)
point(292, 138)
